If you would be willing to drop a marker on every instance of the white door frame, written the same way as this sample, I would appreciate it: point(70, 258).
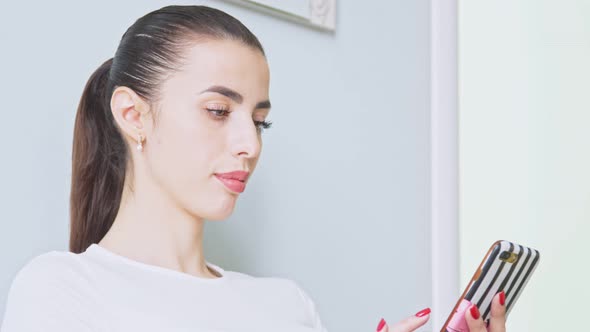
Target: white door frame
point(444, 160)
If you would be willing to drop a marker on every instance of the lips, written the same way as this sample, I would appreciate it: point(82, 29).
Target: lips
point(234, 181)
point(235, 175)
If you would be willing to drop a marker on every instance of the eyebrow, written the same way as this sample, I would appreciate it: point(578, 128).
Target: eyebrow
point(234, 95)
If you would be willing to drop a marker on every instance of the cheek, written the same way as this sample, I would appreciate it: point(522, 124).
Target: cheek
point(190, 156)
point(185, 152)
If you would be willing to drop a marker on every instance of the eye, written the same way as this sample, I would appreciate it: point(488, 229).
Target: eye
point(222, 114)
point(218, 112)
point(261, 125)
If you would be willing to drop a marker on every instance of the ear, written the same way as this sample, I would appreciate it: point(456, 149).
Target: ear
point(130, 112)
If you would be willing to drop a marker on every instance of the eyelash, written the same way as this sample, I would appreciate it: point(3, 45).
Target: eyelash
point(260, 125)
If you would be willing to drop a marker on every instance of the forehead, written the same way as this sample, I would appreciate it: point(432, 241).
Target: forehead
point(225, 62)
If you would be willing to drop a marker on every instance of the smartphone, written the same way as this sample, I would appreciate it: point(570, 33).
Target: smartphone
point(507, 267)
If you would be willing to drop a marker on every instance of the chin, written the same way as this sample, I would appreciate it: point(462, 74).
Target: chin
point(217, 216)
point(221, 212)
point(212, 205)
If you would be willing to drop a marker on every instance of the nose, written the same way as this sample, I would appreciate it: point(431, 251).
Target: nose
point(245, 142)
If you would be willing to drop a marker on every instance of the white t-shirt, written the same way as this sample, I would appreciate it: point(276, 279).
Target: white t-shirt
point(100, 291)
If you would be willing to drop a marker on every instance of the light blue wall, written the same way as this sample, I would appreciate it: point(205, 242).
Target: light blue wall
point(340, 200)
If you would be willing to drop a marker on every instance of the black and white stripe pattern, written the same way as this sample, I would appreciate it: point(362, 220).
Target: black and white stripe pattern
point(498, 275)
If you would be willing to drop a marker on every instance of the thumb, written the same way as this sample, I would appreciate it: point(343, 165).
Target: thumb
point(412, 323)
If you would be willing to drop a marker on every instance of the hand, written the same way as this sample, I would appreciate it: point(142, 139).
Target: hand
point(497, 317)
point(407, 325)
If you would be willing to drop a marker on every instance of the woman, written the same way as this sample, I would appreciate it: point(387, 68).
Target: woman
point(167, 134)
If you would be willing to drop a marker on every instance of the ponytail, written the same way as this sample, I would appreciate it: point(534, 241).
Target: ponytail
point(98, 164)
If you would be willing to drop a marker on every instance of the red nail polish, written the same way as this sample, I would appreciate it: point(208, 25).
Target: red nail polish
point(474, 312)
point(423, 313)
point(502, 298)
point(381, 324)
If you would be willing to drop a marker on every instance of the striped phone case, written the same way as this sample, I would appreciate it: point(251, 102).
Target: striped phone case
point(506, 267)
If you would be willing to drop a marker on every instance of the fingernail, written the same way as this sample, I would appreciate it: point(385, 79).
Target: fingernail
point(423, 313)
point(474, 312)
point(381, 324)
point(502, 297)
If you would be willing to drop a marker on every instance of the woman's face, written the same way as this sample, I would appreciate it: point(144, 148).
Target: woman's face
point(207, 124)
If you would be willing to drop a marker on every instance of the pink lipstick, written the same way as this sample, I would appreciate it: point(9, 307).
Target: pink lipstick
point(234, 181)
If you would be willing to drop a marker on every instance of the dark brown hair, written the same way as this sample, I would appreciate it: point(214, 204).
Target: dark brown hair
point(149, 50)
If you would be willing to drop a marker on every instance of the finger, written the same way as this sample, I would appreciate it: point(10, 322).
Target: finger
point(382, 327)
point(498, 313)
point(412, 323)
point(474, 320)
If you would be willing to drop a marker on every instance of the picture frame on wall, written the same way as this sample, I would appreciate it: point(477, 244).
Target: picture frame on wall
point(319, 14)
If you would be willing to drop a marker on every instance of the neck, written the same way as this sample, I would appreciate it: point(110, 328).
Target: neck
point(151, 229)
